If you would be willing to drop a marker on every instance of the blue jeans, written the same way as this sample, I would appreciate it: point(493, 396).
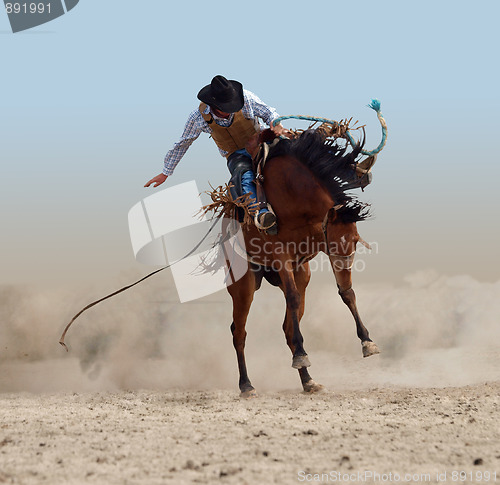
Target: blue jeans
point(248, 181)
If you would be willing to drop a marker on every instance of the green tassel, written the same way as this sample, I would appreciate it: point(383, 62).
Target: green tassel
point(375, 104)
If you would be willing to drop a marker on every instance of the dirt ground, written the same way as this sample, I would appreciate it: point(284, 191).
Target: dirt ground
point(143, 437)
point(148, 392)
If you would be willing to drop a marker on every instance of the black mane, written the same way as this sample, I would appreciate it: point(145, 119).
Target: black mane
point(333, 166)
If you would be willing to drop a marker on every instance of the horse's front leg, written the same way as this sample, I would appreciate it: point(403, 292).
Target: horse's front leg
point(292, 317)
point(342, 259)
point(302, 275)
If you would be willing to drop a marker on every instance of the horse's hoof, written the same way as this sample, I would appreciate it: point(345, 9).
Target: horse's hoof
point(312, 387)
point(250, 394)
point(369, 348)
point(300, 361)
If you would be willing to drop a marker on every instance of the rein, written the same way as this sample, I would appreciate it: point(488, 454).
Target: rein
point(375, 105)
point(90, 305)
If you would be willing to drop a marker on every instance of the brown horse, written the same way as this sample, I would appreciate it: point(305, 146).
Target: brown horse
point(304, 180)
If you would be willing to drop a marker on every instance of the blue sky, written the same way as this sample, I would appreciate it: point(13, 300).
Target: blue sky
point(92, 101)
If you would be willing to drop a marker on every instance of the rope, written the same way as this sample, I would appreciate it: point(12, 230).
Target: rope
point(302, 117)
point(90, 305)
point(375, 105)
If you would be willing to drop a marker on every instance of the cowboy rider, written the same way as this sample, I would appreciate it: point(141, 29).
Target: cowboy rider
point(231, 115)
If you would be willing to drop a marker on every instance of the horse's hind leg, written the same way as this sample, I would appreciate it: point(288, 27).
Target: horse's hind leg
point(242, 292)
point(342, 269)
point(302, 275)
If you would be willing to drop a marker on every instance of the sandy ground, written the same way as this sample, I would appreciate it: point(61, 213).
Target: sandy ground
point(143, 437)
point(148, 392)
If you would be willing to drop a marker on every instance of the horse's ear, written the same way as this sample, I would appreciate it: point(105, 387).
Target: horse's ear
point(332, 213)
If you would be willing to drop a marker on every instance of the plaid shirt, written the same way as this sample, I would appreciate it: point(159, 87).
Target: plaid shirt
point(253, 108)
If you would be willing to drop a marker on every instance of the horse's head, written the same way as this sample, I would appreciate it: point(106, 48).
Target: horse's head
point(255, 141)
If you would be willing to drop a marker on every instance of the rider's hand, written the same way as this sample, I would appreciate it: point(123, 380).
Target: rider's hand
point(158, 180)
point(279, 130)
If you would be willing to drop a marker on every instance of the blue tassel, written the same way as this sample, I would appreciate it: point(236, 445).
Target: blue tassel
point(375, 104)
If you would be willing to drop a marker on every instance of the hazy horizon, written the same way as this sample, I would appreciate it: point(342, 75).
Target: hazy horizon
point(91, 107)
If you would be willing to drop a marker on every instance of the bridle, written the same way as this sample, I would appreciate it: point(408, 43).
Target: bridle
point(347, 261)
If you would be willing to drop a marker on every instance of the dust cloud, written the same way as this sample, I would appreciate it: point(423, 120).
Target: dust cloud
point(433, 331)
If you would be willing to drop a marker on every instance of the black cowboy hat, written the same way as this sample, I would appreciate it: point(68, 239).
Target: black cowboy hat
point(223, 94)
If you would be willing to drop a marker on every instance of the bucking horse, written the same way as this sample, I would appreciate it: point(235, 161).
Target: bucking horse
point(307, 181)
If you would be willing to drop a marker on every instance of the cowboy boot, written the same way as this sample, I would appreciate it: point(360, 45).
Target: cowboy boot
point(267, 222)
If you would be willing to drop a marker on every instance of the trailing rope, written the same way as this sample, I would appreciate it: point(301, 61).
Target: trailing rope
point(90, 305)
point(375, 105)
